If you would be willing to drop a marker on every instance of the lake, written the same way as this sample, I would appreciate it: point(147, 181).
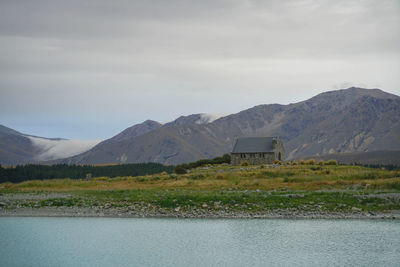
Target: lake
point(197, 242)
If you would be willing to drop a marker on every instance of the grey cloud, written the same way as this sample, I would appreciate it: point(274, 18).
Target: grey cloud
point(160, 59)
point(56, 149)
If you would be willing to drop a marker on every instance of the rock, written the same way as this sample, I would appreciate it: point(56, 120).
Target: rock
point(177, 209)
point(356, 186)
point(356, 209)
point(3, 204)
point(204, 205)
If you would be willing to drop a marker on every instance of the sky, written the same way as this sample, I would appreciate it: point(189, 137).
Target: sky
point(89, 69)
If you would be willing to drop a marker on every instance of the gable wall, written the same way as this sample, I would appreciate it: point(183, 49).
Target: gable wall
point(279, 149)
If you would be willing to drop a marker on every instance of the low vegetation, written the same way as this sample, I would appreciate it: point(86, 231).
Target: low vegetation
point(182, 168)
point(309, 186)
point(44, 172)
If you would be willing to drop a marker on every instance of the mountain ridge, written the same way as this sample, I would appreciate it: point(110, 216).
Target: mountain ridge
point(18, 148)
point(309, 127)
point(341, 121)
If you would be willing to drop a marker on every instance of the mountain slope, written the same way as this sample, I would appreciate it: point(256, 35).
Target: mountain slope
point(18, 148)
point(15, 148)
point(349, 120)
point(384, 157)
point(136, 130)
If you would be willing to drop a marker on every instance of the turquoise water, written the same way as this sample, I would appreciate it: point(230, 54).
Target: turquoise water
point(197, 242)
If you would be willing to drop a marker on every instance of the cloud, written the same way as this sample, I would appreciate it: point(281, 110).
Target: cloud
point(208, 118)
point(60, 148)
point(114, 64)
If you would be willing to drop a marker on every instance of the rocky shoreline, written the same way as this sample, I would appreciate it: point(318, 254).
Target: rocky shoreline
point(58, 204)
point(124, 213)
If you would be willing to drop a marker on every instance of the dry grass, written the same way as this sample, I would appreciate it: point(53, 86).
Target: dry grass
point(295, 177)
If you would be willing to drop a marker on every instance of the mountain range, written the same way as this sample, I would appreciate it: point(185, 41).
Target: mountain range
point(18, 148)
point(341, 121)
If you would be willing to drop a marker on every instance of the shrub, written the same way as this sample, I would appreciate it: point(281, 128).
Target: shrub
point(302, 162)
point(140, 179)
point(196, 176)
point(321, 162)
point(219, 177)
point(180, 170)
point(331, 162)
point(277, 162)
point(294, 163)
point(393, 185)
point(245, 163)
point(311, 162)
point(172, 176)
point(315, 168)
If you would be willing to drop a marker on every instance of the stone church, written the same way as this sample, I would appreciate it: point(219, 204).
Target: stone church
point(257, 150)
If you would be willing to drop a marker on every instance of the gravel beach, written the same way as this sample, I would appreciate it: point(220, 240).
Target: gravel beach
point(13, 205)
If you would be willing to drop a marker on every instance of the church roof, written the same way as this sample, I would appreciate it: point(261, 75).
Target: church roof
point(254, 145)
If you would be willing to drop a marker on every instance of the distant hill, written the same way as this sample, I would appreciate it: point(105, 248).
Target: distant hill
point(348, 120)
point(366, 158)
point(17, 148)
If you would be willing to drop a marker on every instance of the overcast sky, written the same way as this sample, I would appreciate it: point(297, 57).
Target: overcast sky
point(89, 69)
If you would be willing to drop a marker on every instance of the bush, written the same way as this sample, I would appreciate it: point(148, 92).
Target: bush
point(245, 163)
point(315, 168)
point(321, 163)
point(294, 163)
point(393, 185)
point(196, 176)
point(180, 170)
point(311, 162)
point(302, 162)
point(277, 162)
point(140, 179)
point(331, 162)
point(219, 177)
point(225, 159)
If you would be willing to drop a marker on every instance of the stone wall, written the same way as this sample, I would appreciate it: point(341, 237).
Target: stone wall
point(279, 149)
point(260, 158)
point(253, 158)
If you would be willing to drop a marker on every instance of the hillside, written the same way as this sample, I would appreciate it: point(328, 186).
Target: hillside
point(349, 120)
point(365, 158)
point(18, 148)
point(15, 148)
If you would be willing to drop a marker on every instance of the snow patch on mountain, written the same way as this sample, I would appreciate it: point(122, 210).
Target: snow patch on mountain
point(208, 118)
point(50, 149)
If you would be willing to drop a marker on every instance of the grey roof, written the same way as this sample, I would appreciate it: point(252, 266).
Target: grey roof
point(254, 145)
